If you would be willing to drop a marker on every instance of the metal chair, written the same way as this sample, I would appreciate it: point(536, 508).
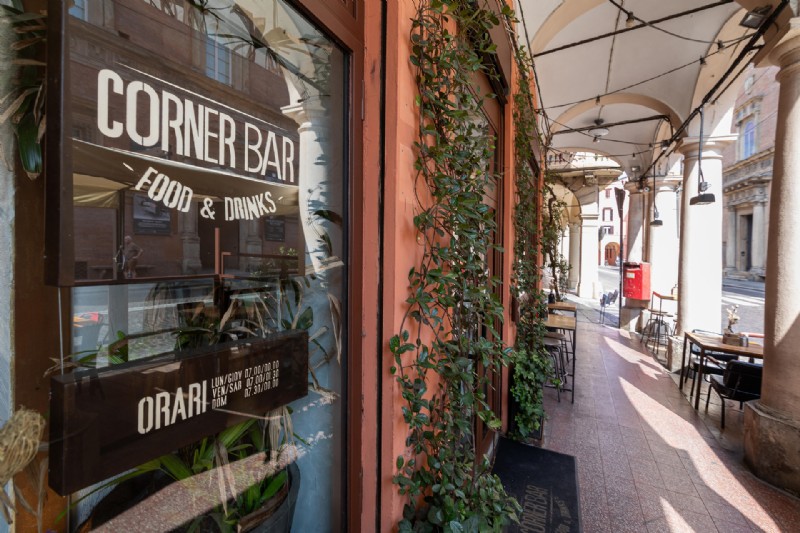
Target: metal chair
point(740, 382)
point(554, 348)
point(606, 300)
point(714, 363)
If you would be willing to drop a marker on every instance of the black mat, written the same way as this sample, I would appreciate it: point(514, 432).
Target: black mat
point(544, 483)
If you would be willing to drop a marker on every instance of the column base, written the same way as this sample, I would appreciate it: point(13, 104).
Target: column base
point(589, 290)
point(772, 446)
point(631, 313)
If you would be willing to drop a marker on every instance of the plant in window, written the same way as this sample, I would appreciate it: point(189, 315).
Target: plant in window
point(23, 106)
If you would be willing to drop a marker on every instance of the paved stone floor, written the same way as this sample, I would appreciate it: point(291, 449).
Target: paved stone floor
point(647, 461)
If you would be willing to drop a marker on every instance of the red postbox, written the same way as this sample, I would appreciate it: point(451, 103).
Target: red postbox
point(636, 281)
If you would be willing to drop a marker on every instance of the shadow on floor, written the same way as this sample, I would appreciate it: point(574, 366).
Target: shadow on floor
point(647, 461)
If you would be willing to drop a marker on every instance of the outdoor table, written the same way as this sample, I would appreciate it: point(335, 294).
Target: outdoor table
point(564, 306)
point(712, 343)
point(567, 323)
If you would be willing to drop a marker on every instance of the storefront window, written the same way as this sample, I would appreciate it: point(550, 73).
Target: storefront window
point(209, 238)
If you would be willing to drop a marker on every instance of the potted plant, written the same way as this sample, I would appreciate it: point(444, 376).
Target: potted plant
point(728, 336)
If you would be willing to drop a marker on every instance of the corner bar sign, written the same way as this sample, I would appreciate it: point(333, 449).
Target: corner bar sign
point(105, 422)
point(189, 129)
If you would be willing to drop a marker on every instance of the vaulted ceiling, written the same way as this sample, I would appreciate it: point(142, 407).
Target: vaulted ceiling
point(618, 77)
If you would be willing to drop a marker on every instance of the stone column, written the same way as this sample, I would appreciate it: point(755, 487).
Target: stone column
point(664, 242)
point(730, 246)
point(588, 287)
point(758, 252)
point(574, 255)
point(772, 424)
point(634, 233)
point(563, 243)
point(700, 263)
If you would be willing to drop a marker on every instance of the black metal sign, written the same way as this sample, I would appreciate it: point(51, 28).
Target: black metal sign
point(107, 421)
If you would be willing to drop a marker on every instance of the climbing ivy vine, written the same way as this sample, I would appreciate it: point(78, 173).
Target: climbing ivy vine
point(447, 343)
point(551, 236)
point(531, 362)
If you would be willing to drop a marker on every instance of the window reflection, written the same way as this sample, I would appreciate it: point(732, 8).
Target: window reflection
point(212, 135)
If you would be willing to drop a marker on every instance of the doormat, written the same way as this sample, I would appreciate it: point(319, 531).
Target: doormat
point(545, 484)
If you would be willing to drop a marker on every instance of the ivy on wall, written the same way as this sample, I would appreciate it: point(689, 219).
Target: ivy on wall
point(532, 364)
point(551, 236)
point(447, 344)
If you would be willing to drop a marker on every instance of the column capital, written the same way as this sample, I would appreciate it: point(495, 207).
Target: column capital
point(632, 187)
point(667, 183)
point(712, 146)
point(786, 54)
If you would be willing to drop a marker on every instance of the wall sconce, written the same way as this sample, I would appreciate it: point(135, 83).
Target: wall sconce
point(703, 197)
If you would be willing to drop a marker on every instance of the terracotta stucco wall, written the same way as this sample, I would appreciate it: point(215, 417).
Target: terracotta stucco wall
point(400, 247)
point(401, 250)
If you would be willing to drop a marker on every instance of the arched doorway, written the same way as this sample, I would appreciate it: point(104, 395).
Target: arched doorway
point(611, 254)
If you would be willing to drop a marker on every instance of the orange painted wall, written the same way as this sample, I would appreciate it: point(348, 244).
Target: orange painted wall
point(400, 248)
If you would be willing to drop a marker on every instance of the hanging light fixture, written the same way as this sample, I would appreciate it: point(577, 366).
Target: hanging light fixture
point(630, 21)
point(656, 222)
point(754, 18)
point(598, 130)
point(703, 197)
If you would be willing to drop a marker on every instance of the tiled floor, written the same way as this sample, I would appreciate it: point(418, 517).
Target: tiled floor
point(647, 461)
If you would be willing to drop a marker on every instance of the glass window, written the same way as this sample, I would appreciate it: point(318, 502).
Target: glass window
point(218, 61)
point(608, 214)
point(78, 9)
point(210, 232)
point(748, 139)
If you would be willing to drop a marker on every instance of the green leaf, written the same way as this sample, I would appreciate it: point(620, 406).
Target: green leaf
point(176, 468)
point(30, 151)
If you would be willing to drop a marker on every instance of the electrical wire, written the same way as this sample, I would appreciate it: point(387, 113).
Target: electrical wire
point(666, 73)
point(604, 139)
point(632, 28)
point(628, 154)
point(650, 25)
point(750, 47)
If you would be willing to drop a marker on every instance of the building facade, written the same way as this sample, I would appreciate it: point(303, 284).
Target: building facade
point(747, 175)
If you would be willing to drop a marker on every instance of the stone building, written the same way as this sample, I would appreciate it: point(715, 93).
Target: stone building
point(747, 175)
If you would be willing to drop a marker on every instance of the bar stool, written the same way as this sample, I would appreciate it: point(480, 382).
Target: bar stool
point(657, 323)
point(555, 349)
point(564, 339)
